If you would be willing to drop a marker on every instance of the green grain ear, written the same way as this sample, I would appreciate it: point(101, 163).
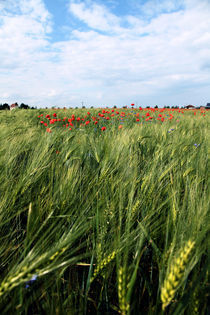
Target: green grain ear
point(176, 274)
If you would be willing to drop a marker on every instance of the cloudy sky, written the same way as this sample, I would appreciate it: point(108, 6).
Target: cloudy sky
point(105, 53)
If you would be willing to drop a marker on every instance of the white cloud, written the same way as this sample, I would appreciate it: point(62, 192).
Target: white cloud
point(154, 7)
point(162, 59)
point(95, 16)
point(24, 34)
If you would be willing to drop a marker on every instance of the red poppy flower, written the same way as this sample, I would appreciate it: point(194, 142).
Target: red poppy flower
point(54, 115)
point(137, 119)
point(96, 122)
point(45, 124)
point(120, 127)
point(48, 130)
point(103, 128)
point(132, 104)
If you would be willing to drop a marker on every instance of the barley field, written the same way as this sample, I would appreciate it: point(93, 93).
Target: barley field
point(104, 211)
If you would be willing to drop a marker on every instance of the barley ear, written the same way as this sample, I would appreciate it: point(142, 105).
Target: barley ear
point(103, 264)
point(175, 275)
point(122, 289)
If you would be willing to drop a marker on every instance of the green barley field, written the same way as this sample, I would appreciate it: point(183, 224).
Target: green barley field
point(112, 221)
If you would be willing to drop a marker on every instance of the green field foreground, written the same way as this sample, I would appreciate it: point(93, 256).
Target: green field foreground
point(113, 222)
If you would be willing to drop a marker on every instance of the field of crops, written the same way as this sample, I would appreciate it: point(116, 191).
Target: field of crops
point(104, 211)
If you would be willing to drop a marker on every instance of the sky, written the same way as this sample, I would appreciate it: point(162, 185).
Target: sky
point(104, 53)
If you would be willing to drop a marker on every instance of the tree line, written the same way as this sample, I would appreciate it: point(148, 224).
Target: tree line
point(6, 106)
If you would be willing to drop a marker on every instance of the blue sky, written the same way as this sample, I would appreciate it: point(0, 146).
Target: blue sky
point(105, 53)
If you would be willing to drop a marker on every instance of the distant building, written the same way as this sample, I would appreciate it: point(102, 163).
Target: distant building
point(13, 106)
point(190, 107)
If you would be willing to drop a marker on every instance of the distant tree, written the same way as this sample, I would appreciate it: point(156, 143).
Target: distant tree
point(148, 107)
point(76, 107)
point(115, 106)
point(156, 106)
point(4, 106)
point(83, 106)
point(24, 106)
point(92, 107)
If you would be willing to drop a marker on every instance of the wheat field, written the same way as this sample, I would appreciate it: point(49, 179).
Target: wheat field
point(104, 222)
